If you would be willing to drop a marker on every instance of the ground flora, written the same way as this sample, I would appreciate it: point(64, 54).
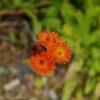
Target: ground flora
point(56, 52)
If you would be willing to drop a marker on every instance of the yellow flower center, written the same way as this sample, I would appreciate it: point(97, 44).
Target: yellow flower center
point(60, 52)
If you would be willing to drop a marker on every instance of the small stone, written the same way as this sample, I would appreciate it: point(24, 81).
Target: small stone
point(12, 84)
point(52, 95)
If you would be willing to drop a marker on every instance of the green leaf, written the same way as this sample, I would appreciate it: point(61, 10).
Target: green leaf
point(89, 41)
point(96, 53)
point(52, 23)
point(79, 95)
point(67, 29)
point(37, 26)
point(51, 12)
point(39, 82)
point(69, 87)
point(95, 68)
point(17, 2)
point(67, 11)
point(97, 90)
point(89, 86)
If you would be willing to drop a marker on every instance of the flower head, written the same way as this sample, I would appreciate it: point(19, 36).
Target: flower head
point(61, 52)
point(49, 51)
point(47, 38)
point(42, 63)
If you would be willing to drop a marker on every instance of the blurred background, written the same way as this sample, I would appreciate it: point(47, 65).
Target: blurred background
point(77, 22)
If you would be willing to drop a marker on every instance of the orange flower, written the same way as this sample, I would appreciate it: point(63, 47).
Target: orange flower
point(42, 63)
point(47, 38)
point(49, 50)
point(61, 52)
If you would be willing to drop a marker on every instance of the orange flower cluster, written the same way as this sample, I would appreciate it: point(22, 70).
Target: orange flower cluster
point(57, 52)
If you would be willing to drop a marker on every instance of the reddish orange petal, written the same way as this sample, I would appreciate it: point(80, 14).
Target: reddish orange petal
point(61, 52)
point(42, 63)
point(47, 38)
